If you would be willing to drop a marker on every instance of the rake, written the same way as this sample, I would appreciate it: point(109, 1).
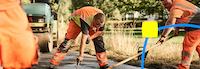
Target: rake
point(134, 56)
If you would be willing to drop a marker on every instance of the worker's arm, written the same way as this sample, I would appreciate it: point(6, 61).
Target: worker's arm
point(83, 44)
point(166, 32)
point(85, 35)
point(170, 21)
point(174, 14)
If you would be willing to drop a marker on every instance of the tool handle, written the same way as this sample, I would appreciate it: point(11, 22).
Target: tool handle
point(130, 58)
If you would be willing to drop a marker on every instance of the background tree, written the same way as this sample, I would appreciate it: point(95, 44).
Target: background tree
point(125, 6)
point(196, 2)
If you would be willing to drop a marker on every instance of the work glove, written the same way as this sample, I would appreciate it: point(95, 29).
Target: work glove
point(161, 40)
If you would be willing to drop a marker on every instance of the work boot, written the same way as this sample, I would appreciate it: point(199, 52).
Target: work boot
point(104, 67)
point(63, 47)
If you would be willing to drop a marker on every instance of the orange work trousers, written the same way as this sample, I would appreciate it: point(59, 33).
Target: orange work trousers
point(18, 47)
point(190, 44)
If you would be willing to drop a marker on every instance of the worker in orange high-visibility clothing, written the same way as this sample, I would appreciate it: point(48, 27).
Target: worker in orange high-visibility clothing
point(182, 11)
point(90, 21)
point(18, 45)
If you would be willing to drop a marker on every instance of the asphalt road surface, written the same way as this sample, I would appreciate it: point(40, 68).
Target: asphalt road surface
point(69, 62)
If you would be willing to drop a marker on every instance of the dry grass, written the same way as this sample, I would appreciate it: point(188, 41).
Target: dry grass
point(121, 46)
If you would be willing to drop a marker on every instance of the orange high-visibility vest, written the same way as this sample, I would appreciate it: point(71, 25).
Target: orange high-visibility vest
point(86, 14)
point(193, 11)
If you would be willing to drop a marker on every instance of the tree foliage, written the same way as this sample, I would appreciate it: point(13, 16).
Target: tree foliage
point(124, 6)
point(196, 2)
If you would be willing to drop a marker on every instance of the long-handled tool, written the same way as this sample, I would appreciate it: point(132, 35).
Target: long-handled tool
point(77, 59)
point(130, 58)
